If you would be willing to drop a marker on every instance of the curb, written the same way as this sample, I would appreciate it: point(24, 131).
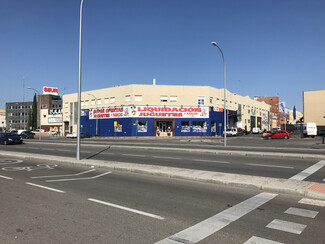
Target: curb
point(255, 182)
point(216, 151)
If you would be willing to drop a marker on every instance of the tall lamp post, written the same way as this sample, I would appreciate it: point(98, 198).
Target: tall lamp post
point(79, 84)
point(224, 95)
point(40, 113)
point(97, 109)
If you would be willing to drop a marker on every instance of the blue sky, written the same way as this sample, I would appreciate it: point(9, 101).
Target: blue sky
point(271, 47)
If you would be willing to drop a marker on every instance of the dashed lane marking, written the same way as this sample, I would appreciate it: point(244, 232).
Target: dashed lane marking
point(301, 212)
point(133, 155)
point(53, 176)
point(211, 225)
point(309, 171)
point(126, 209)
point(211, 161)
point(166, 157)
point(271, 166)
point(5, 177)
point(45, 187)
point(86, 178)
point(286, 226)
point(312, 202)
point(259, 240)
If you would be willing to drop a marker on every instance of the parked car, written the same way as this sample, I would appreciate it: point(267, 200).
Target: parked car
point(231, 132)
point(84, 135)
point(256, 130)
point(53, 132)
point(266, 133)
point(10, 138)
point(279, 134)
point(72, 135)
point(241, 132)
point(27, 134)
point(321, 133)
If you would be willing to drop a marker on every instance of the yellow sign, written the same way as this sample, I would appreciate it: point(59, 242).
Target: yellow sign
point(115, 123)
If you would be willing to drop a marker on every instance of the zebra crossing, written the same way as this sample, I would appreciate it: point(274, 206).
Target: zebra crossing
point(287, 226)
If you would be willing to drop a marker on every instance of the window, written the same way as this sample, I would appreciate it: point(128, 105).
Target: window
point(82, 103)
point(163, 99)
point(211, 99)
point(112, 100)
point(138, 98)
point(106, 100)
point(87, 102)
point(199, 126)
point(99, 101)
point(66, 105)
point(128, 98)
point(185, 126)
point(173, 99)
point(118, 127)
point(142, 126)
point(92, 101)
point(66, 116)
point(200, 100)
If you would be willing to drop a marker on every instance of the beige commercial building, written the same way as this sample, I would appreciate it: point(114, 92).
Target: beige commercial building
point(314, 107)
point(2, 119)
point(243, 111)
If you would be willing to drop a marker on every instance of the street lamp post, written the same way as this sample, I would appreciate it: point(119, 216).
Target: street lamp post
point(40, 113)
point(79, 84)
point(224, 95)
point(97, 112)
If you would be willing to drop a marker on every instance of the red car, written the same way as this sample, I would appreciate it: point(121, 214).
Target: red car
point(279, 134)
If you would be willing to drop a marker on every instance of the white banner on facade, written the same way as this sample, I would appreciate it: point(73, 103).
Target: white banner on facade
point(149, 112)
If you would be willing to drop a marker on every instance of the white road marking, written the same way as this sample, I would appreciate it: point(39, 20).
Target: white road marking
point(133, 155)
point(211, 161)
point(86, 178)
point(127, 209)
point(108, 153)
point(307, 172)
point(312, 202)
point(215, 223)
point(51, 176)
point(286, 226)
point(271, 166)
point(45, 187)
point(301, 212)
point(10, 161)
point(63, 150)
point(5, 177)
point(165, 157)
point(259, 240)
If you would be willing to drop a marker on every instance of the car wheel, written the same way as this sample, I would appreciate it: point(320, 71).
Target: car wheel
point(269, 138)
point(286, 137)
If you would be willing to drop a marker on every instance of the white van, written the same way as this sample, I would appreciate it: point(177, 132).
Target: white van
point(310, 129)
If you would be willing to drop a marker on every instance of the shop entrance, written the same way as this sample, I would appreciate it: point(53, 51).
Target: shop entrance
point(164, 127)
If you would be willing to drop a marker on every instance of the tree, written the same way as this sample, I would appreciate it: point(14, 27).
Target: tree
point(34, 113)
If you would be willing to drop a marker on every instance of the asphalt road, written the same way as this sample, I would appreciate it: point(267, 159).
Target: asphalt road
point(75, 208)
point(257, 166)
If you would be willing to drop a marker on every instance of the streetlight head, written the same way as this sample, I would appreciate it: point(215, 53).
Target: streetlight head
point(28, 87)
point(214, 43)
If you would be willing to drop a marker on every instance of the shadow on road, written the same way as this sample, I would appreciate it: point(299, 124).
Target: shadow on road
point(94, 155)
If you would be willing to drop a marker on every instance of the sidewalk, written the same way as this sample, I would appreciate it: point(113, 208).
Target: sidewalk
point(303, 188)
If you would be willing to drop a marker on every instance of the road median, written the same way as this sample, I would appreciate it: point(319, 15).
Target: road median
point(303, 188)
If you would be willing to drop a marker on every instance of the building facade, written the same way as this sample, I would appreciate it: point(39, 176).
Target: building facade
point(152, 110)
point(51, 112)
point(275, 115)
point(17, 115)
point(314, 108)
point(2, 120)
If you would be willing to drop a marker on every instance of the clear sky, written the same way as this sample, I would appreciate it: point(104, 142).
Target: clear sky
point(271, 47)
